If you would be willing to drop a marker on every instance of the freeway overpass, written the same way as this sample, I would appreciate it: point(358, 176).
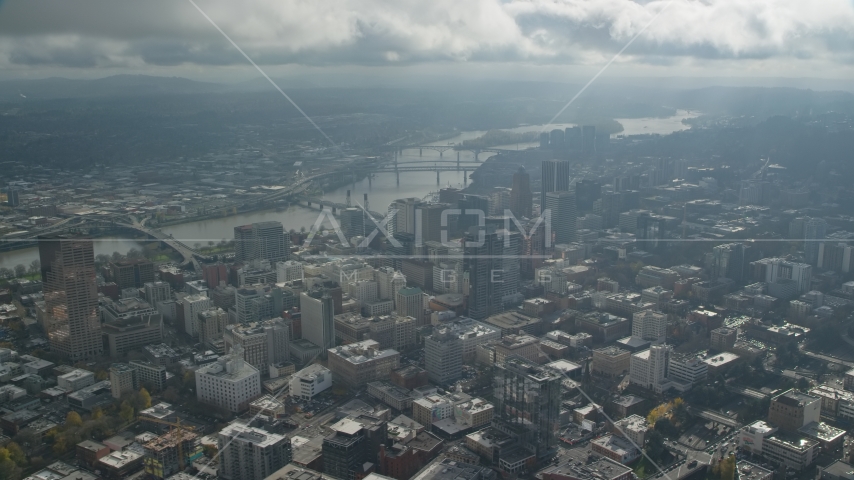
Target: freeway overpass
point(714, 417)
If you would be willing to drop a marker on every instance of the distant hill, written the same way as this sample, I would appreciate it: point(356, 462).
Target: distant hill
point(113, 86)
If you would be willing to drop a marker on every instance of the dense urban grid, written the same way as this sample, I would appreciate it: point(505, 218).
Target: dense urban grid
point(586, 305)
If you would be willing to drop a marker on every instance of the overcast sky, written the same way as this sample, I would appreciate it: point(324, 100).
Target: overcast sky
point(515, 39)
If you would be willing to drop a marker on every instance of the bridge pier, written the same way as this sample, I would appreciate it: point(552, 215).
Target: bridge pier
point(370, 177)
point(397, 174)
point(437, 177)
point(465, 177)
point(476, 153)
point(441, 153)
point(420, 151)
point(458, 157)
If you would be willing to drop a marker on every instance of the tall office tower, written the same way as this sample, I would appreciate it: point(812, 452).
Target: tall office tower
point(493, 268)
point(73, 323)
point(474, 208)
point(211, 325)
point(443, 356)
point(609, 207)
point(409, 302)
point(157, 292)
point(193, 306)
point(248, 453)
point(731, 260)
point(544, 140)
point(527, 403)
point(587, 192)
point(131, 273)
point(214, 274)
point(752, 192)
point(254, 303)
point(521, 198)
point(389, 281)
point(555, 178)
point(564, 215)
point(318, 318)
point(12, 197)
point(626, 182)
point(556, 140)
point(353, 222)
point(835, 256)
point(572, 138)
point(263, 343)
point(649, 367)
point(650, 326)
point(263, 240)
point(534, 249)
point(796, 228)
point(588, 139)
point(353, 444)
point(402, 213)
point(815, 230)
point(431, 221)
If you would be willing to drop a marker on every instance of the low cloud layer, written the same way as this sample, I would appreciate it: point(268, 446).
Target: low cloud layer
point(163, 33)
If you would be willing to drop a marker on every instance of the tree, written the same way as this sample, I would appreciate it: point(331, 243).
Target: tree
point(726, 468)
point(20, 270)
point(35, 266)
point(654, 445)
point(133, 253)
point(73, 419)
point(126, 412)
point(143, 399)
point(101, 375)
point(16, 454)
point(117, 257)
point(102, 259)
point(6, 273)
point(60, 446)
point(97, 413)
point(28, 439)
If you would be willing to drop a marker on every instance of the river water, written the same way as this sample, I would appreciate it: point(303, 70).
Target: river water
point(381, 190)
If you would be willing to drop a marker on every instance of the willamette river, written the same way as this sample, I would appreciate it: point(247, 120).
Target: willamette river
point(383, 189)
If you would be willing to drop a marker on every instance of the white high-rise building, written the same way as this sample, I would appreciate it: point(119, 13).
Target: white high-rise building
point(403, 219)
point(229, 383)
point(289, 271)
point(193, 306)
point(318, 319)
point(650, 326)
point(157, 292)
point(389, 282)
point(248, 453)
point(365, 291)
point(648, 368)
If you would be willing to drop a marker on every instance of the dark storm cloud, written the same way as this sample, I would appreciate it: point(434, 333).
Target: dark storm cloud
point(103, 33)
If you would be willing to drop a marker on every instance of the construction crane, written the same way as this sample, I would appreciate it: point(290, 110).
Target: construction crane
point(176, 429)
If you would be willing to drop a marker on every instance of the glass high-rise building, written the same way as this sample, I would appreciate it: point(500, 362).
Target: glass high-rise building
point(72, 322)
point(527, 403)
point(555, 178)
point(263, 240)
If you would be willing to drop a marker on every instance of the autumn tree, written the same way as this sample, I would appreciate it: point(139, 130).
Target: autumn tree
point(126, 412)
point(73, 419)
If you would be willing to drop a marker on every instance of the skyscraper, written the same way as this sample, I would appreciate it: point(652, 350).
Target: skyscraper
point(527, 403)
point(402, 212)
point(443, 356)
point(474, 208)
point(263, 240)
point(73, 325)
point(493, 268)
point(248, 453)
point(815, 230)
point(521, 197)
point(318, 320)
point(587, 192)
point(563, 215)
point(555, 178)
